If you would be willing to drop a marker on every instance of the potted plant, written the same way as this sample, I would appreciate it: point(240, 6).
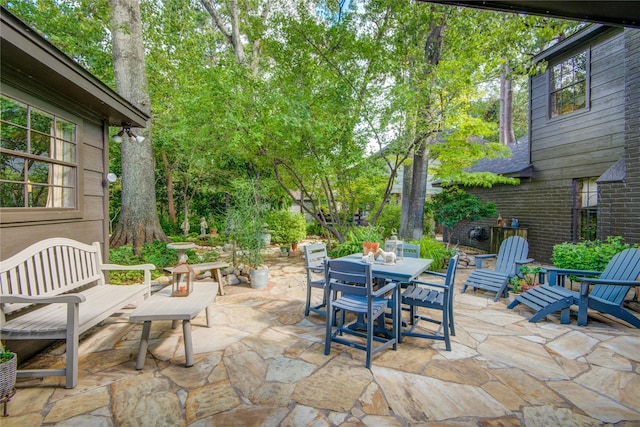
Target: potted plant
point(527, 279)
point(245, 223)
point(8, 369)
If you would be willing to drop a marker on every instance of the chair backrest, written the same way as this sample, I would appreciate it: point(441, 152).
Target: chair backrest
point(353, 277)
point(512, 249)
point(451, 270)
point(314, 255)
point(410, 251)
point(623, 266)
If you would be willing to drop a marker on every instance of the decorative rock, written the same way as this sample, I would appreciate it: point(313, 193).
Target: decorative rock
point(243, 280)
point(163, 280)
point(204, 275)
point(232, 279)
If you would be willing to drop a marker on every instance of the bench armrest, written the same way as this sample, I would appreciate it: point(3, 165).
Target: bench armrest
point(148, 268)
point(21, 299)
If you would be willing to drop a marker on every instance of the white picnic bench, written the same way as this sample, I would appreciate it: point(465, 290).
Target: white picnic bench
point(55, 289)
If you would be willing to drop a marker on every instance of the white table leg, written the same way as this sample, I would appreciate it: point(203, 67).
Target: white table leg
point(144, 344)
point(188, 344)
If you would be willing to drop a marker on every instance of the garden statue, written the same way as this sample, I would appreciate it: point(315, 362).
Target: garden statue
point(185, 226)
point(203, 227)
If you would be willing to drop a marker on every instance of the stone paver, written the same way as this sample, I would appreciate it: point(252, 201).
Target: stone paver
point(262, 363)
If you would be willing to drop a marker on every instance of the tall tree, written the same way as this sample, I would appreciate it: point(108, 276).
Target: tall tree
point(138, 222)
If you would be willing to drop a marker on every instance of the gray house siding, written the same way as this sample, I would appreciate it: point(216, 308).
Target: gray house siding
point(37, 73)
point(581, 144)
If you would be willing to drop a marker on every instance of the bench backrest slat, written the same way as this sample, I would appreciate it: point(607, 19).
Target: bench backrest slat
point(50, 267)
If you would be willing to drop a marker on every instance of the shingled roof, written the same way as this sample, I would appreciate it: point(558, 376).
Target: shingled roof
point(516, 165)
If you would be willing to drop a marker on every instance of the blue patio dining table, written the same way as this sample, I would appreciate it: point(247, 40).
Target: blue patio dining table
point(403, 271)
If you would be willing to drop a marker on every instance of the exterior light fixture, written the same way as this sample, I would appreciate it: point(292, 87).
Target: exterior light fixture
point(127, 130)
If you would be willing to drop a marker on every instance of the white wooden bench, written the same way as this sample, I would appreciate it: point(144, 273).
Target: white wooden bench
point(55, 289)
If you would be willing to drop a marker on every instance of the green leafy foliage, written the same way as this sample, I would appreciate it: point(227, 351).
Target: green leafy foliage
point(589, 255)
point(155, 253)
point(245, 221)
point(389, 218)
point(286, 226)
point(5, 355)
point(353, 240)
point(436, 250)
point(454, 207)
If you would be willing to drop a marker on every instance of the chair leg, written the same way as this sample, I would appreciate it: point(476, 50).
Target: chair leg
point(445, 329)
point(329, 319)
point(451, 322)
point(369, 341)
point(308, 303)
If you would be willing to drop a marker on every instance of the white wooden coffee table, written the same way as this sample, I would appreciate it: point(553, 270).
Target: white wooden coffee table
point(162, 306)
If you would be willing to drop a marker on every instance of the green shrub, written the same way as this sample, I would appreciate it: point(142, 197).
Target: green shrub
point(354, 237)
point(315, 229)
point(590, 255)
point(436, 250)
point(286, 226)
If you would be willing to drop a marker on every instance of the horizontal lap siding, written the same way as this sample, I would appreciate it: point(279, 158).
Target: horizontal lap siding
point(585, 143)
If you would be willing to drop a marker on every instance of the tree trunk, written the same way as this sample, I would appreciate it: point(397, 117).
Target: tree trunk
point(415, 217)
point(138, 223)
point(415, 214)
point(506, 108)
point(407, 179)
point(171, 204)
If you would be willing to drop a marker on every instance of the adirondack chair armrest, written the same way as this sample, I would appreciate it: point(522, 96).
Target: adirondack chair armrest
point(22, 299)
point(553, 274)
point(386, 288)
point(596, 281)
point(481, 258)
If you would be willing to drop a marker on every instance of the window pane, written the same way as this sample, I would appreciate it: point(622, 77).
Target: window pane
point(40, 144)
point(556, 73)
point(11, 168)
point(62, 175)
point(64, 151)
point(38, 172)
point(60, 197)
point(38, 196)
point(13, 137)
point(13, 111)
point(41, 121)
point(11, 195)
point(65, 130)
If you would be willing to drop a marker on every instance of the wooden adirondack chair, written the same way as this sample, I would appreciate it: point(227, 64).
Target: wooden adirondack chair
point(607, 295)
point(512, 254)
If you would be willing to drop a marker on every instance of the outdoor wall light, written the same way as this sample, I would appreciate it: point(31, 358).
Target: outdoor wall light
point(125, 130)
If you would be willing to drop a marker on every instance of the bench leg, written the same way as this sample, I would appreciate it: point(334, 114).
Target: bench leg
point(207, 311)
point(218, 275)
point(144, 344)
point(72, 339)
point(188, 344)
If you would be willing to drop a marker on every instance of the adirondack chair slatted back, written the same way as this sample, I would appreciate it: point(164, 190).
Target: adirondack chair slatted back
point(623, 266)
point(512, 249)
point(50, 267)
point(350, 277)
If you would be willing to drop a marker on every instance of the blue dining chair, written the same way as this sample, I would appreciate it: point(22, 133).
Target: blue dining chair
point(434, 296)
point(410, 250)
point(350, 288)
point(314, 256)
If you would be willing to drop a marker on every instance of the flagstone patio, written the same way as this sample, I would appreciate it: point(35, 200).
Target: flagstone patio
point(262, 364)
